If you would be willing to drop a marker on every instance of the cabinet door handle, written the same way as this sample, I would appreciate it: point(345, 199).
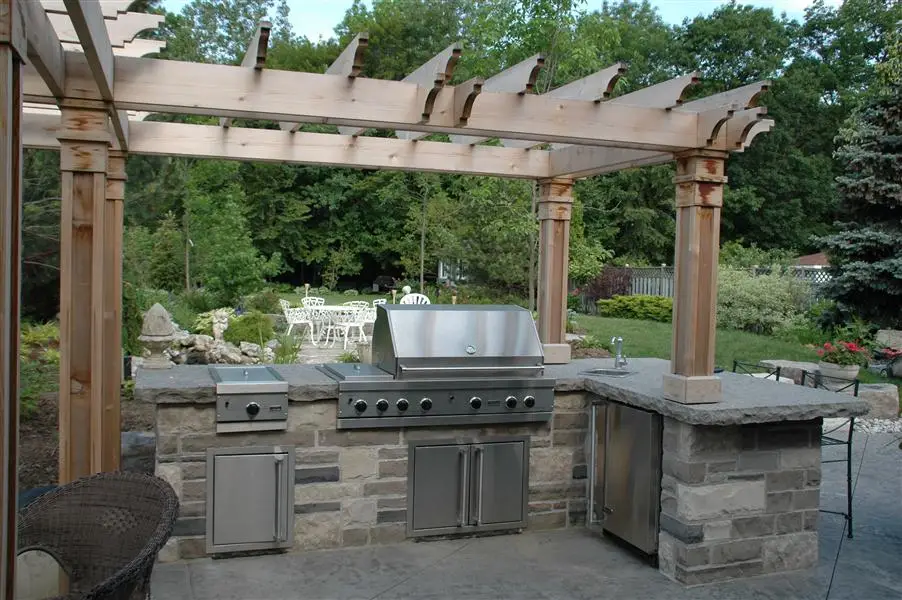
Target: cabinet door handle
point(480, 456)
point(462, 500)
point(277, 521)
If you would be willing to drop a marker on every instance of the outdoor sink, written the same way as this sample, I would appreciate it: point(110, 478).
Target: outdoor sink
point(608, 372)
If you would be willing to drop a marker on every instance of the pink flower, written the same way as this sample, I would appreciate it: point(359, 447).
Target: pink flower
point(820, 352)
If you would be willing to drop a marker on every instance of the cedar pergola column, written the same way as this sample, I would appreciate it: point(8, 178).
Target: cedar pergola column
point(84, 152)
point(112, 309)
point(699, 197)
point(12, 54)
point(554, 209)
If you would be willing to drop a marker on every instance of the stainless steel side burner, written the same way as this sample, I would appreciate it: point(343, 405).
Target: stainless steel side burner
point(249, 398)
point(446, 365)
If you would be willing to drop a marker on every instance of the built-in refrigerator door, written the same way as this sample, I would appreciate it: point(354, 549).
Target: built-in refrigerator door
point(632, 476)
point(499, 481)
point(438, 488)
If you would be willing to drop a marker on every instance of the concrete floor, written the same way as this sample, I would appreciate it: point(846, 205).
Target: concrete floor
point(573, 564)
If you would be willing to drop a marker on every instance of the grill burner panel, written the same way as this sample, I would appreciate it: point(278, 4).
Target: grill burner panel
point(446, 365)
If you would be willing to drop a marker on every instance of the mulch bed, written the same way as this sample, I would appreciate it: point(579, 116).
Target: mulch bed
point(39, 438)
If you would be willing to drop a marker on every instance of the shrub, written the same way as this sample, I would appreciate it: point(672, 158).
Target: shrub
point(266, 301)
point(39, 364)
point(613, 281)
point(203, 324)
point(351, 292)
point(649, 308)
point(574, 302)
point(199, 300)
point(759, 304)
point(251, 327)
point(287, 350)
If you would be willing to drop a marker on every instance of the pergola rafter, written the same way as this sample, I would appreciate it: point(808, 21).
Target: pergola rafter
point(82, 56)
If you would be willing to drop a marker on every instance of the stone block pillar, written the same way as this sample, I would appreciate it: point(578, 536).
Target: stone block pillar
point(554, 207)
point(699, 198)
point(739, 501)
point(84, 152)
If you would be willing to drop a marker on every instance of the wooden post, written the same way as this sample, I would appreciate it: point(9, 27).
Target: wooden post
point(84, 149)
point(112, 309)
point(554, 209)
point(12, 55)
point(699, 198)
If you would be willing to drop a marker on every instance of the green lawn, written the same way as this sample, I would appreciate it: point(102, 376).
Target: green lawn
point(652, 339)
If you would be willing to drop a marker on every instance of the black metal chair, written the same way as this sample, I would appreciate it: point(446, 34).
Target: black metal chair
point(104, 531)
point(833, 437)
point(756, 369)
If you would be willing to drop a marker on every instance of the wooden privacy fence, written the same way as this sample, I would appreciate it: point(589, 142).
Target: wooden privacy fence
point(659, 281)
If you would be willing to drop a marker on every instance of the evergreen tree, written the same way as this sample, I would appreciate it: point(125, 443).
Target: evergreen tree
point(866, 253)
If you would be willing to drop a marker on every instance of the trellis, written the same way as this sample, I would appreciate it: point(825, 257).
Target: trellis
point(74, 79)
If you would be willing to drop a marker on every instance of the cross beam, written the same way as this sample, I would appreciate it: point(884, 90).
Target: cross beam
point(432, 77)
point(165, 86)
point(239, 143)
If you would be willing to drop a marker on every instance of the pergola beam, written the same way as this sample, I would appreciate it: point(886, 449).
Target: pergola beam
point(254, 57)
point(44, 49)
point(519, 79)
point(120, 30)
point(269, 145)
point(667, 94)
point(110, 8)
point(432, 76)
point(595, 87)
point(166, 86)
point(348, 64)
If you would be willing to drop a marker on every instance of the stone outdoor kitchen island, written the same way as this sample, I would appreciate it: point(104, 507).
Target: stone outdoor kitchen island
point(739, 490)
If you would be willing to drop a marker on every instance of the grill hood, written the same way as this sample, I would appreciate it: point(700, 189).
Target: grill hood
point(415, 341)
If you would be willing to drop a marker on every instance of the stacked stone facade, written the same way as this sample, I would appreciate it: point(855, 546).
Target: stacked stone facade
point(351, 486)
point(739, 501)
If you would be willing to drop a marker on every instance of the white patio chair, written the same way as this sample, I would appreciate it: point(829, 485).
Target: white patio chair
point(357, 304)
point(379, 301)
point(415, 299)
point(369, 315)
point(340, 324)
point(297, 316)
point(312, 301)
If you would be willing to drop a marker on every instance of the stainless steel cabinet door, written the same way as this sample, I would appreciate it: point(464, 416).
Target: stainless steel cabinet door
point(498, 483)
point(249, 507)
point(632, 475)
point(439, 487)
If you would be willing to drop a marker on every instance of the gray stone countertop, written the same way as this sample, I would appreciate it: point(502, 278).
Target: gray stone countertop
point(193, 384)
point(745, 399)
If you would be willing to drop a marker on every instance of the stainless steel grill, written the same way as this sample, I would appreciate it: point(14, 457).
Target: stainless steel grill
point(446, 365)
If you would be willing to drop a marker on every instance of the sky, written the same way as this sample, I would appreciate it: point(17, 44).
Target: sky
point(316, 19)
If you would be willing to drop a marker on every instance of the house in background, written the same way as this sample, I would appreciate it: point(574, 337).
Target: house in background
point(813, 261)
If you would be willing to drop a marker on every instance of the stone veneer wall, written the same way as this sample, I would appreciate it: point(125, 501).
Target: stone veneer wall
point(351, 486)
point(739, 501)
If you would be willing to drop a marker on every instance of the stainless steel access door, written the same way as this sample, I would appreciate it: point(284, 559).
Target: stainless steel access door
point(499, 480)
point(249, 498)
point(632, 475)
point(440, 486)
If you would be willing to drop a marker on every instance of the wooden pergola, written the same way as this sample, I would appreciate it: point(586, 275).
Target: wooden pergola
point(73, 79)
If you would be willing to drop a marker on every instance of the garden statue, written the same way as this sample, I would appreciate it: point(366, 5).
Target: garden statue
point(220, 323)
point(157, 333)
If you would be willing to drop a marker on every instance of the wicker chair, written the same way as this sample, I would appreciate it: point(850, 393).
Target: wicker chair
point(104, 531)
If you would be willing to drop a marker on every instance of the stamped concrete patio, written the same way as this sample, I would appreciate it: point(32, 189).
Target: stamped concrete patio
point(573, 564)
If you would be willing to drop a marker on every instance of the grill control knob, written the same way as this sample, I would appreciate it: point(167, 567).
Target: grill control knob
point(252, 408)
point(510, 401)
point(476, 402)
point(425, 403)
point(382, 405)
point(360, 405)
point(529, 401)
point(402, 404)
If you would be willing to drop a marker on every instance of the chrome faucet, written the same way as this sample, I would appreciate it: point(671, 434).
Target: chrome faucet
point(619, 359)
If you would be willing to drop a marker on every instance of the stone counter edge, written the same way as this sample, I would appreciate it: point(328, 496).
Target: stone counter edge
point(192, 384)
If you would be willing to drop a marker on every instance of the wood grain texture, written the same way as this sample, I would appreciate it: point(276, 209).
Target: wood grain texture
point(554, 210)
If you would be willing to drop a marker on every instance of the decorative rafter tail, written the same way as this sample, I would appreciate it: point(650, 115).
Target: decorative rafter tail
point(432, 76)
point(464, 96)
point(254, 56)
point(667, 94)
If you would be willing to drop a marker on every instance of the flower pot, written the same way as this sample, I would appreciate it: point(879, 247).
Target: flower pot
point(840, 371)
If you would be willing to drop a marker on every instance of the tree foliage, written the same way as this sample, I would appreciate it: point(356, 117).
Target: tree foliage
point(866, 252)
point(344, 227)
